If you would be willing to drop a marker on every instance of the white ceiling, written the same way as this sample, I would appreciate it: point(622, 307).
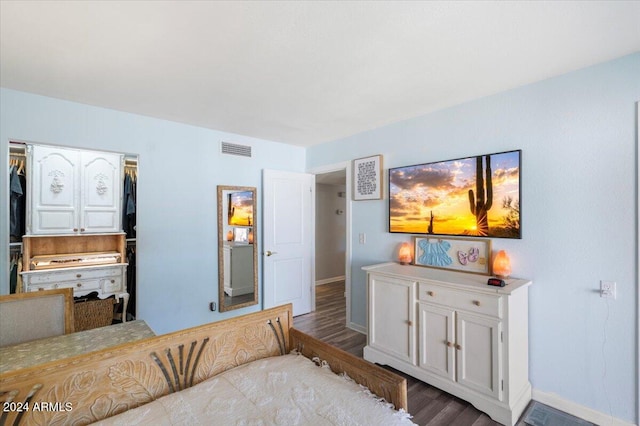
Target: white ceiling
point(300, 72)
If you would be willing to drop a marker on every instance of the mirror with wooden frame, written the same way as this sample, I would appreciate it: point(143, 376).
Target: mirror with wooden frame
point(237, 252)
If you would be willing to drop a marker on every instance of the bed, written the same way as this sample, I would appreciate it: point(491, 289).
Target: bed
point(177, 378)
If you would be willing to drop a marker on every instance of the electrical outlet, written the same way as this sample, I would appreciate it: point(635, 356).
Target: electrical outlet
point(363, 238)
point(608, 289)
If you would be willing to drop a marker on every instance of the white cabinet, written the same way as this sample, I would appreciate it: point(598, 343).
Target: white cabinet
point(238, 269)
point(469, 339)
point(73, 191)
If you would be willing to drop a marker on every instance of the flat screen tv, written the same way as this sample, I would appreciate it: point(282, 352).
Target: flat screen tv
point(473, 196)
point(240, 208)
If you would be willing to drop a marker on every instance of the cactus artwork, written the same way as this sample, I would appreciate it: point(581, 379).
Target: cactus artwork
point(481, 203)
point(476, 196)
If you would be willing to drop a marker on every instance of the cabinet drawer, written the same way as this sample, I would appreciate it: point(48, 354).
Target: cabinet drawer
point(480, 303)
point(112, 285)
point(43, 277)
point(78, 285)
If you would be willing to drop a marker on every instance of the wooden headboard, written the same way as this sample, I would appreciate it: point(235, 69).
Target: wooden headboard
point(94, 386)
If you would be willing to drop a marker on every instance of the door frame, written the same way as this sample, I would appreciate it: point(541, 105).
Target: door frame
point(336, 167)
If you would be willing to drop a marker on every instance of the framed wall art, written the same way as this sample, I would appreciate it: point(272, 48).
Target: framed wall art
point(367, 178)
point(458, 254)
point(240, 208)
point(470, 197)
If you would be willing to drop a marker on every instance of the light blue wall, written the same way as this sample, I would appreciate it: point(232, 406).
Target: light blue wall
point(577, 133)
point(179, 168)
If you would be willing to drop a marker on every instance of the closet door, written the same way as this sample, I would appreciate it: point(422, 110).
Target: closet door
point(53, 190)
point(101, 194)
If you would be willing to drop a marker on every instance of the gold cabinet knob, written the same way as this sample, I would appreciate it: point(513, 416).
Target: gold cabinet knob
point(113, 281)
point(449, 344)
point(430, 293)
point(476, 302)
point(78, 275)
point(79, 285)
point(75, 229)
point(409, 323)
point(458, 347)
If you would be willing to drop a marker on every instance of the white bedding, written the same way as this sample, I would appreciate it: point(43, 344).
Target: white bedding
point(283, 390)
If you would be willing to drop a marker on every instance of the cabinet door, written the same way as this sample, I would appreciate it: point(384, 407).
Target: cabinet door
point(479, 358)
point(436, 341)
point(392, 316)
point(53, 190)
point(241, 277)
point(101, 194)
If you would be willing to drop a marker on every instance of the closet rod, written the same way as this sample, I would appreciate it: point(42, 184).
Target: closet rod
point(17, 154)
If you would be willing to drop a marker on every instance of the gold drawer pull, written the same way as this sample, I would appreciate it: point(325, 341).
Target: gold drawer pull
point(79, 276)
point(81, 229)
point(113, 281)
point(79, 285)
point(458, 347)
point(476, 302)
point(75, 229)
point(409, 323)
point(430, 293)
point(449, 344)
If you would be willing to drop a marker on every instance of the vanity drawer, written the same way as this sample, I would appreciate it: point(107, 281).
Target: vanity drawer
point(112, 285)
point(78, 285)
point(480, 303)
point(47, 276)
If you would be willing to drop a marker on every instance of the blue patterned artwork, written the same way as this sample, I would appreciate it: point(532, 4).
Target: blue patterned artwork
point(435, 254)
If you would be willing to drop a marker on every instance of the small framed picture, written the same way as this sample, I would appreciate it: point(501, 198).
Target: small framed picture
point(241, 235)
point(458, 254)
point(367, 178)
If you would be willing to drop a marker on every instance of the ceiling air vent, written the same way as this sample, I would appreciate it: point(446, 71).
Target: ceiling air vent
point(235, 149)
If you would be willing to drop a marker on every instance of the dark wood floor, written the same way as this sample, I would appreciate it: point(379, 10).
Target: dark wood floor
point(427, 405)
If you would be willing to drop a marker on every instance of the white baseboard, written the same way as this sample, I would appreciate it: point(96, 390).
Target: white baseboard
point(357, 327)
point(577, 410)
point(330, 280)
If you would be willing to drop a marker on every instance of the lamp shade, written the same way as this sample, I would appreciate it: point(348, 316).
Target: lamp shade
point(501, 265)
point(404, 256)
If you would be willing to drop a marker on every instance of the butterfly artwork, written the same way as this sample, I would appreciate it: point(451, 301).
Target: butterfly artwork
point(470, 256)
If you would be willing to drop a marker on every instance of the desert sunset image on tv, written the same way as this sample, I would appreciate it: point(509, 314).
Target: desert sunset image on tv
point(473, 196)
point(241, 208)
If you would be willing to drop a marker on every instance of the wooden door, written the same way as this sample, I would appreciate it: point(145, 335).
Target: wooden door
point(288, 239)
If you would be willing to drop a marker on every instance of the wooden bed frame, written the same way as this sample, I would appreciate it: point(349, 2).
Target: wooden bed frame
point(101, 384)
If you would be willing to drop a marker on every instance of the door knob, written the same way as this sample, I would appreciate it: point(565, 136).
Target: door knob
point(269, 252)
